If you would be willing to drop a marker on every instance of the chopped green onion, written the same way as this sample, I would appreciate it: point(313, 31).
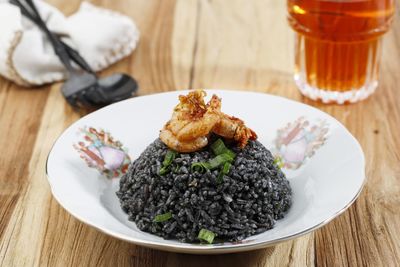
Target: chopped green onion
point(219, 160)
point(164, 170)
point(200, 166)
point(223, 158)
point(163, 217)
point(218, 147)
point(278, 161)
point(226, 167)
point(169, 157)
point(224, 171)
point(230, 153)
point(206, 235)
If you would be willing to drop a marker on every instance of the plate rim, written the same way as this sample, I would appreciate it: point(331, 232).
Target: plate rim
point(205, 249)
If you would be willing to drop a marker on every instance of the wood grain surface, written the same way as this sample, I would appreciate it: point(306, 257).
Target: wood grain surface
point(193, 44)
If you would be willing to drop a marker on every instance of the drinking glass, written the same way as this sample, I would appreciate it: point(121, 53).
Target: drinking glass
point(338, 46)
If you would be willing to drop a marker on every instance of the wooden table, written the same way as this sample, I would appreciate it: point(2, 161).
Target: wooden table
point(195, 44)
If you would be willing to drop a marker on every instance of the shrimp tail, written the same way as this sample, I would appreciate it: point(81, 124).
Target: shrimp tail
point(234, 128)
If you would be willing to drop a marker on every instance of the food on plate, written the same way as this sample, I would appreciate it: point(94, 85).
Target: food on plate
point(205, 179)
point(193, 120)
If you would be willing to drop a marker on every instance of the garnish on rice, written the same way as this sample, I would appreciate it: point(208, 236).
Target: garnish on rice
point(193, 121)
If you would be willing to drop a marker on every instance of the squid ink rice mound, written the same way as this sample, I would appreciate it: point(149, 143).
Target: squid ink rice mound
point(205, 179)
point(205, 196)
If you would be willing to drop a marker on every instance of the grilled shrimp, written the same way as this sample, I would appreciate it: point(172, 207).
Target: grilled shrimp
point(234, 128)
point(191, 122)
point(172, 142)
point(198, 126)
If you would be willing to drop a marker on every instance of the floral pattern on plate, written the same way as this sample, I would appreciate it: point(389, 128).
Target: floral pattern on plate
point(298, 141)
point(102, 152)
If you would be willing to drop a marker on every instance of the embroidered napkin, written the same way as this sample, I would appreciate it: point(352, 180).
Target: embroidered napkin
point(101, 36)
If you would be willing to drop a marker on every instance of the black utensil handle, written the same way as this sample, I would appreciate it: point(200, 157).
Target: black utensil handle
point(72, 53)
point(59, 49)
point(77, 58)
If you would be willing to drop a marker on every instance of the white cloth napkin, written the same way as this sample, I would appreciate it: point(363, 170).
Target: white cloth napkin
point(101, 36)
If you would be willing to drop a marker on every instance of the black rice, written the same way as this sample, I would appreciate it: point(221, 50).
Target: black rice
point(253, 195)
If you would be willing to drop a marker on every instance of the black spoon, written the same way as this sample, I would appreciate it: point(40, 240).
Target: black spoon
point(83, 88)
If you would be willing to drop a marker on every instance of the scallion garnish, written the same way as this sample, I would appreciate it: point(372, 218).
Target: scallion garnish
point(227, 166)
point(218, 147)
point(206, 235)
point(212, 164)
point(163, 217)
point(219, 160)
point(278, 162)
point(200, 166)
point(169, 157)
point(164, 170)
point(230, 153)
point(224, 171)
point(224, 158)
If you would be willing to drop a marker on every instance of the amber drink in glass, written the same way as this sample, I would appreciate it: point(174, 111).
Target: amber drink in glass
point(338, 46)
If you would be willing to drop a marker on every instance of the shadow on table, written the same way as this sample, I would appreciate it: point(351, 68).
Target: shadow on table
point(148, 257)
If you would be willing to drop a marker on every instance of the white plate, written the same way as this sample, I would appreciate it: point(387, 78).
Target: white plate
point(323, 162)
